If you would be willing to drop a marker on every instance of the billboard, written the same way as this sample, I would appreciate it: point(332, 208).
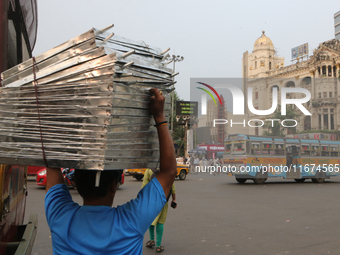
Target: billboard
point(322, 136)
point(186, 108)
point(211, 147)
point(300, 51)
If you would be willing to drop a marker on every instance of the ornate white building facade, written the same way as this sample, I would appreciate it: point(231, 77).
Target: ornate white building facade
point(263, 70)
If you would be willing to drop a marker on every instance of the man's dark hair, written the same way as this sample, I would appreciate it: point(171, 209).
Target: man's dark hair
point(85, 182)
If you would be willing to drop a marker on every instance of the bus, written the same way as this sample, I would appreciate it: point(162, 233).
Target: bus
point(257, 158)
point(18, 32)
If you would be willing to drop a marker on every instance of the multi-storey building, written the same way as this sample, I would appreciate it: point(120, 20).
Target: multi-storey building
point(207, 133)
point(337, 25)
point(263, 70)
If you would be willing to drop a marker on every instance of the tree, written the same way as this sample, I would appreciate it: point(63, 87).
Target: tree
point(275, 128)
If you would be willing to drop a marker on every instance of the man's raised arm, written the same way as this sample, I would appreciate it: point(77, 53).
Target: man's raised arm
point(53, 177)
point(168, 165)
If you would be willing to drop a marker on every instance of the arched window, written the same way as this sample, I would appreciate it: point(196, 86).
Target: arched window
point(306, 81)
point(275, 86)
point(290, 84)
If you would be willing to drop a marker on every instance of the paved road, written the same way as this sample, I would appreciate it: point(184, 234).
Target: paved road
point(215, 215)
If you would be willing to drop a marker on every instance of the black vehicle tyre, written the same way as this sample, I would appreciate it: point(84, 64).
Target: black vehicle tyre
point(260, 178)
point(241, 180)
point(300, 180)
point(319, 177)
point(139, 177)
point(182, 175)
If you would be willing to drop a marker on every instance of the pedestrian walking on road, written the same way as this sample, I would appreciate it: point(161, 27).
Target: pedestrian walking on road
point(159, 221)
point(196, 163)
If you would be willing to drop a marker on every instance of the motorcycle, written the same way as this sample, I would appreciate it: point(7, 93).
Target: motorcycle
point(68, 177)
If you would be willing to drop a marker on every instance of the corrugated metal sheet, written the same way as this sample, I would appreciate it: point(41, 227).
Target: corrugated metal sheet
point(93, 94)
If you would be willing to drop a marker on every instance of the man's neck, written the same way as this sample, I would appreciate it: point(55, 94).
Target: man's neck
point(107, 201)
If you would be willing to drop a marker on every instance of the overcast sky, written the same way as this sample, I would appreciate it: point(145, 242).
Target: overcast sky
point(211, 35)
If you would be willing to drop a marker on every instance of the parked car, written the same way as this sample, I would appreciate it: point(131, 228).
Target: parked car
point(33, 170)
point(41, 178)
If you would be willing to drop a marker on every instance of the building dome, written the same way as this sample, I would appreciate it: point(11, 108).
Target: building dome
point(263, 43)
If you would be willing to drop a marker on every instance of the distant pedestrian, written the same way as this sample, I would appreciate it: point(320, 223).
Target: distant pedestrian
point(205, 163)
point(196, 163)
point(217, 164)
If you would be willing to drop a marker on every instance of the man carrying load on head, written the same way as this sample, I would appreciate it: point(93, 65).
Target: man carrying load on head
point(95, 227)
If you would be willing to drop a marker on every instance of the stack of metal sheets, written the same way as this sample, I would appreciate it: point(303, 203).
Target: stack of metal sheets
point(85, 104)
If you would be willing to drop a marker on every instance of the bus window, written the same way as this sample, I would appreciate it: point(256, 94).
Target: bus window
point(296, 151)
point(279, 149)
point(305, 150)
point(255, 149)
point(334, 151)
point(227, 147)
point(289, 149)
point(239, 147)
point(248, 147)
point(325, 151)
point(315, 150)
point(267, 149)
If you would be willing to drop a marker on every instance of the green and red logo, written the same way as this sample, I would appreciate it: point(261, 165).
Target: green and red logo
point(209, 93)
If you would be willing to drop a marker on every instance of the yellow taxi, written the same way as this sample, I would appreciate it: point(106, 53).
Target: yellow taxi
point(182, 171)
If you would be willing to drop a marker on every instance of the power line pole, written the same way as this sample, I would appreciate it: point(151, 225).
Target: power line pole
point(174, 59)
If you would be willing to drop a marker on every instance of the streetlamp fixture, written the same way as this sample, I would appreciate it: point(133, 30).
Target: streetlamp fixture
point(173, 59)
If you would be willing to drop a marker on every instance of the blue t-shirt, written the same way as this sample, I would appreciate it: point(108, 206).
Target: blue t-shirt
point(101, 229)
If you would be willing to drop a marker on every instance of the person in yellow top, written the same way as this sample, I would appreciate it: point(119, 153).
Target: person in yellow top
point(160, 219)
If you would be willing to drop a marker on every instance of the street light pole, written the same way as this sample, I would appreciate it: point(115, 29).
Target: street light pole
point(174, 59)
